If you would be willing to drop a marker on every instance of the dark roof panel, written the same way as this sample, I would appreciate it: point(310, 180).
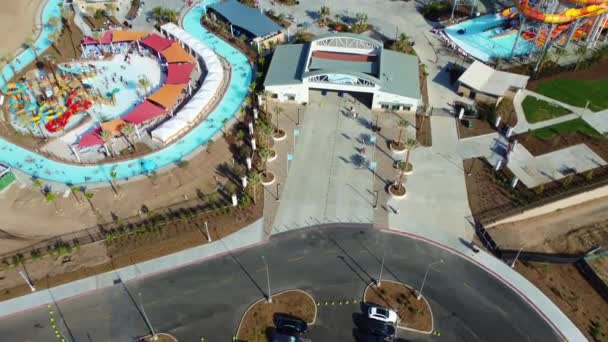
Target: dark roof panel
point(245, 17)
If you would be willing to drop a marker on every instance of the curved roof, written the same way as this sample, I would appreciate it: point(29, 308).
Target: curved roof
point(167, 95)
point(352, 36)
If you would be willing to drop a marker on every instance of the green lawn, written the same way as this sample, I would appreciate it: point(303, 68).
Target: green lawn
point(576, 125)
point(577, 92)
point(537, 110)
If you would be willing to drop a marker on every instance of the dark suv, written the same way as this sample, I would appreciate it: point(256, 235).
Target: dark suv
point(289, 325)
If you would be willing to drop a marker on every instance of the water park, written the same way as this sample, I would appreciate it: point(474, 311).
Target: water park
point(160, 95)
point(528, 28)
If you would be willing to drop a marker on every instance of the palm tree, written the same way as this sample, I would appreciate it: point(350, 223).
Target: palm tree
point(37, 184)
point(107, 137)
point(265, 155)
point(144, 83)
point(75, 190)
point(89, 196)
point(402, 124)
point(324, 13)
point(410, 144)
point(278, 111)
point(50, 198)
point(559, 52)
point(266, 94)
point(54, 38)
point(29, 43)
point(113, 183)
point(254, 181)
point(54, 23)
point(7, 58)
point(580, 52)
point(128, 130)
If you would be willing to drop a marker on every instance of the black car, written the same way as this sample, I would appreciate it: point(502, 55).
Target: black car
point(376, 328)
point(289, 325)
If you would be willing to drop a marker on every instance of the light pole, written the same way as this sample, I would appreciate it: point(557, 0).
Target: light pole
point(207, 229)
point(381, 268)
point(516, 257)
point(428, 268)
point(267, 280)
point(141, 306)
point(28, 281)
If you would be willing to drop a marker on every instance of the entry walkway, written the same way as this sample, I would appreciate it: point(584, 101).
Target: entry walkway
point(327, 182)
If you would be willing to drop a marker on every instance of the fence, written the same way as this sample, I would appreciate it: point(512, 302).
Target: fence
point(529, 199)
point(162, 216)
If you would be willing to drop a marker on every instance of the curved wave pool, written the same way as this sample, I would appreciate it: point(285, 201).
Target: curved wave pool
point(46, 169)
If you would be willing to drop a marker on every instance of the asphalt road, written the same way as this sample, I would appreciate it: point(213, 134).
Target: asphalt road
point(206, 300)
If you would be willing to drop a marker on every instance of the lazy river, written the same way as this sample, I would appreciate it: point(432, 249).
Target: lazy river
point(46, 169)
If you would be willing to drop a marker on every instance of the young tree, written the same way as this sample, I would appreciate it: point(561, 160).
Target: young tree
point(402, 124)
point(89, 197)
point(324, 13)
point(29, 43)
point(113, 183)
point(128, 130)
point(51, 197)
point(254, 181)
point(74, 190)
point(54, 38)
point(37, 184)
point(278, 111)
point(107, 137)
point(144, 83)
point(7, 58)
point(559, 52)
point(410, 145)
point(265, 155)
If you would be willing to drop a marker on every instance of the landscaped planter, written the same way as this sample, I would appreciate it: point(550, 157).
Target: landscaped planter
point(273, 156)
point(407, 170)
point(268, 177)
point(397, 191)
point(160, 337)
point(397, 147)
point(278, 135)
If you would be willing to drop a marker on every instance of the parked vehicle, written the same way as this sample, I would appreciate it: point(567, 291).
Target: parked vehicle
point(374, 327)
point(289, 325)
point(382, 314)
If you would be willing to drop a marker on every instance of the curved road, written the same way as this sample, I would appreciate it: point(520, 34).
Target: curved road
point(333, 264)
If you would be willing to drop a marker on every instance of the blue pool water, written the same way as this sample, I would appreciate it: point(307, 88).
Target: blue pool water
point(41, 167)
point(478, 39)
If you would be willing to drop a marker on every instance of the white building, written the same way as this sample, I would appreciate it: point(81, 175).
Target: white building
point(349, 63)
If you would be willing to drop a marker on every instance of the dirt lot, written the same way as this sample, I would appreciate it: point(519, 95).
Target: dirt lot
point(538, 146)
point(27, 218)
point(480, 127)
point(17, 20)
point(535, 234)
point(567, 288)
point(482, 192)
point(148, 242)
point(413, 313)
point(258, 321)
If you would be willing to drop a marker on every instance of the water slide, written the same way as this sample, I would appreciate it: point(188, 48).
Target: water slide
point(593, 8)
point(60, 122)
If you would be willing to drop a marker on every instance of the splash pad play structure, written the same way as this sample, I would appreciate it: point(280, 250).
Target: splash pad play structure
point(227, 106)
point(529, 27)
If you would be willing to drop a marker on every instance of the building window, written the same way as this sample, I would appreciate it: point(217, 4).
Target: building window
point(291, 97)
point(274, 96)
point(384, 106)
point(396, 107)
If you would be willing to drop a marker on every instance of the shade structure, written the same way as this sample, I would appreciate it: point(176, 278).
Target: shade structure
point(89, 41)
point(167, 95)
point(113, 126)
point(156, 42)
point(176, 54)
point(179, 73)
point(92, 138)
point(106, 38)
point(127, 36)
point(143, 112)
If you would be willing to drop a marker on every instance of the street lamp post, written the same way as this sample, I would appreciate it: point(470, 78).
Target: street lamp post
point(428, 268)
point(207, 229)
point(28, 281)
point(141, 306)
point(379, 281)
point(516, 257)
point(267, 280)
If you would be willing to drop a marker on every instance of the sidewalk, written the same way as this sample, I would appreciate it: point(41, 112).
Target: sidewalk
point(247, 237)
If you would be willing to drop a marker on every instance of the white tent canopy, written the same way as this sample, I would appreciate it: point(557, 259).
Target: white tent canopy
point(190, 113)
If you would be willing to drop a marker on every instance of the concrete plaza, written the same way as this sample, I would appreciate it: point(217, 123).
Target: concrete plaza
point(328, 180)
